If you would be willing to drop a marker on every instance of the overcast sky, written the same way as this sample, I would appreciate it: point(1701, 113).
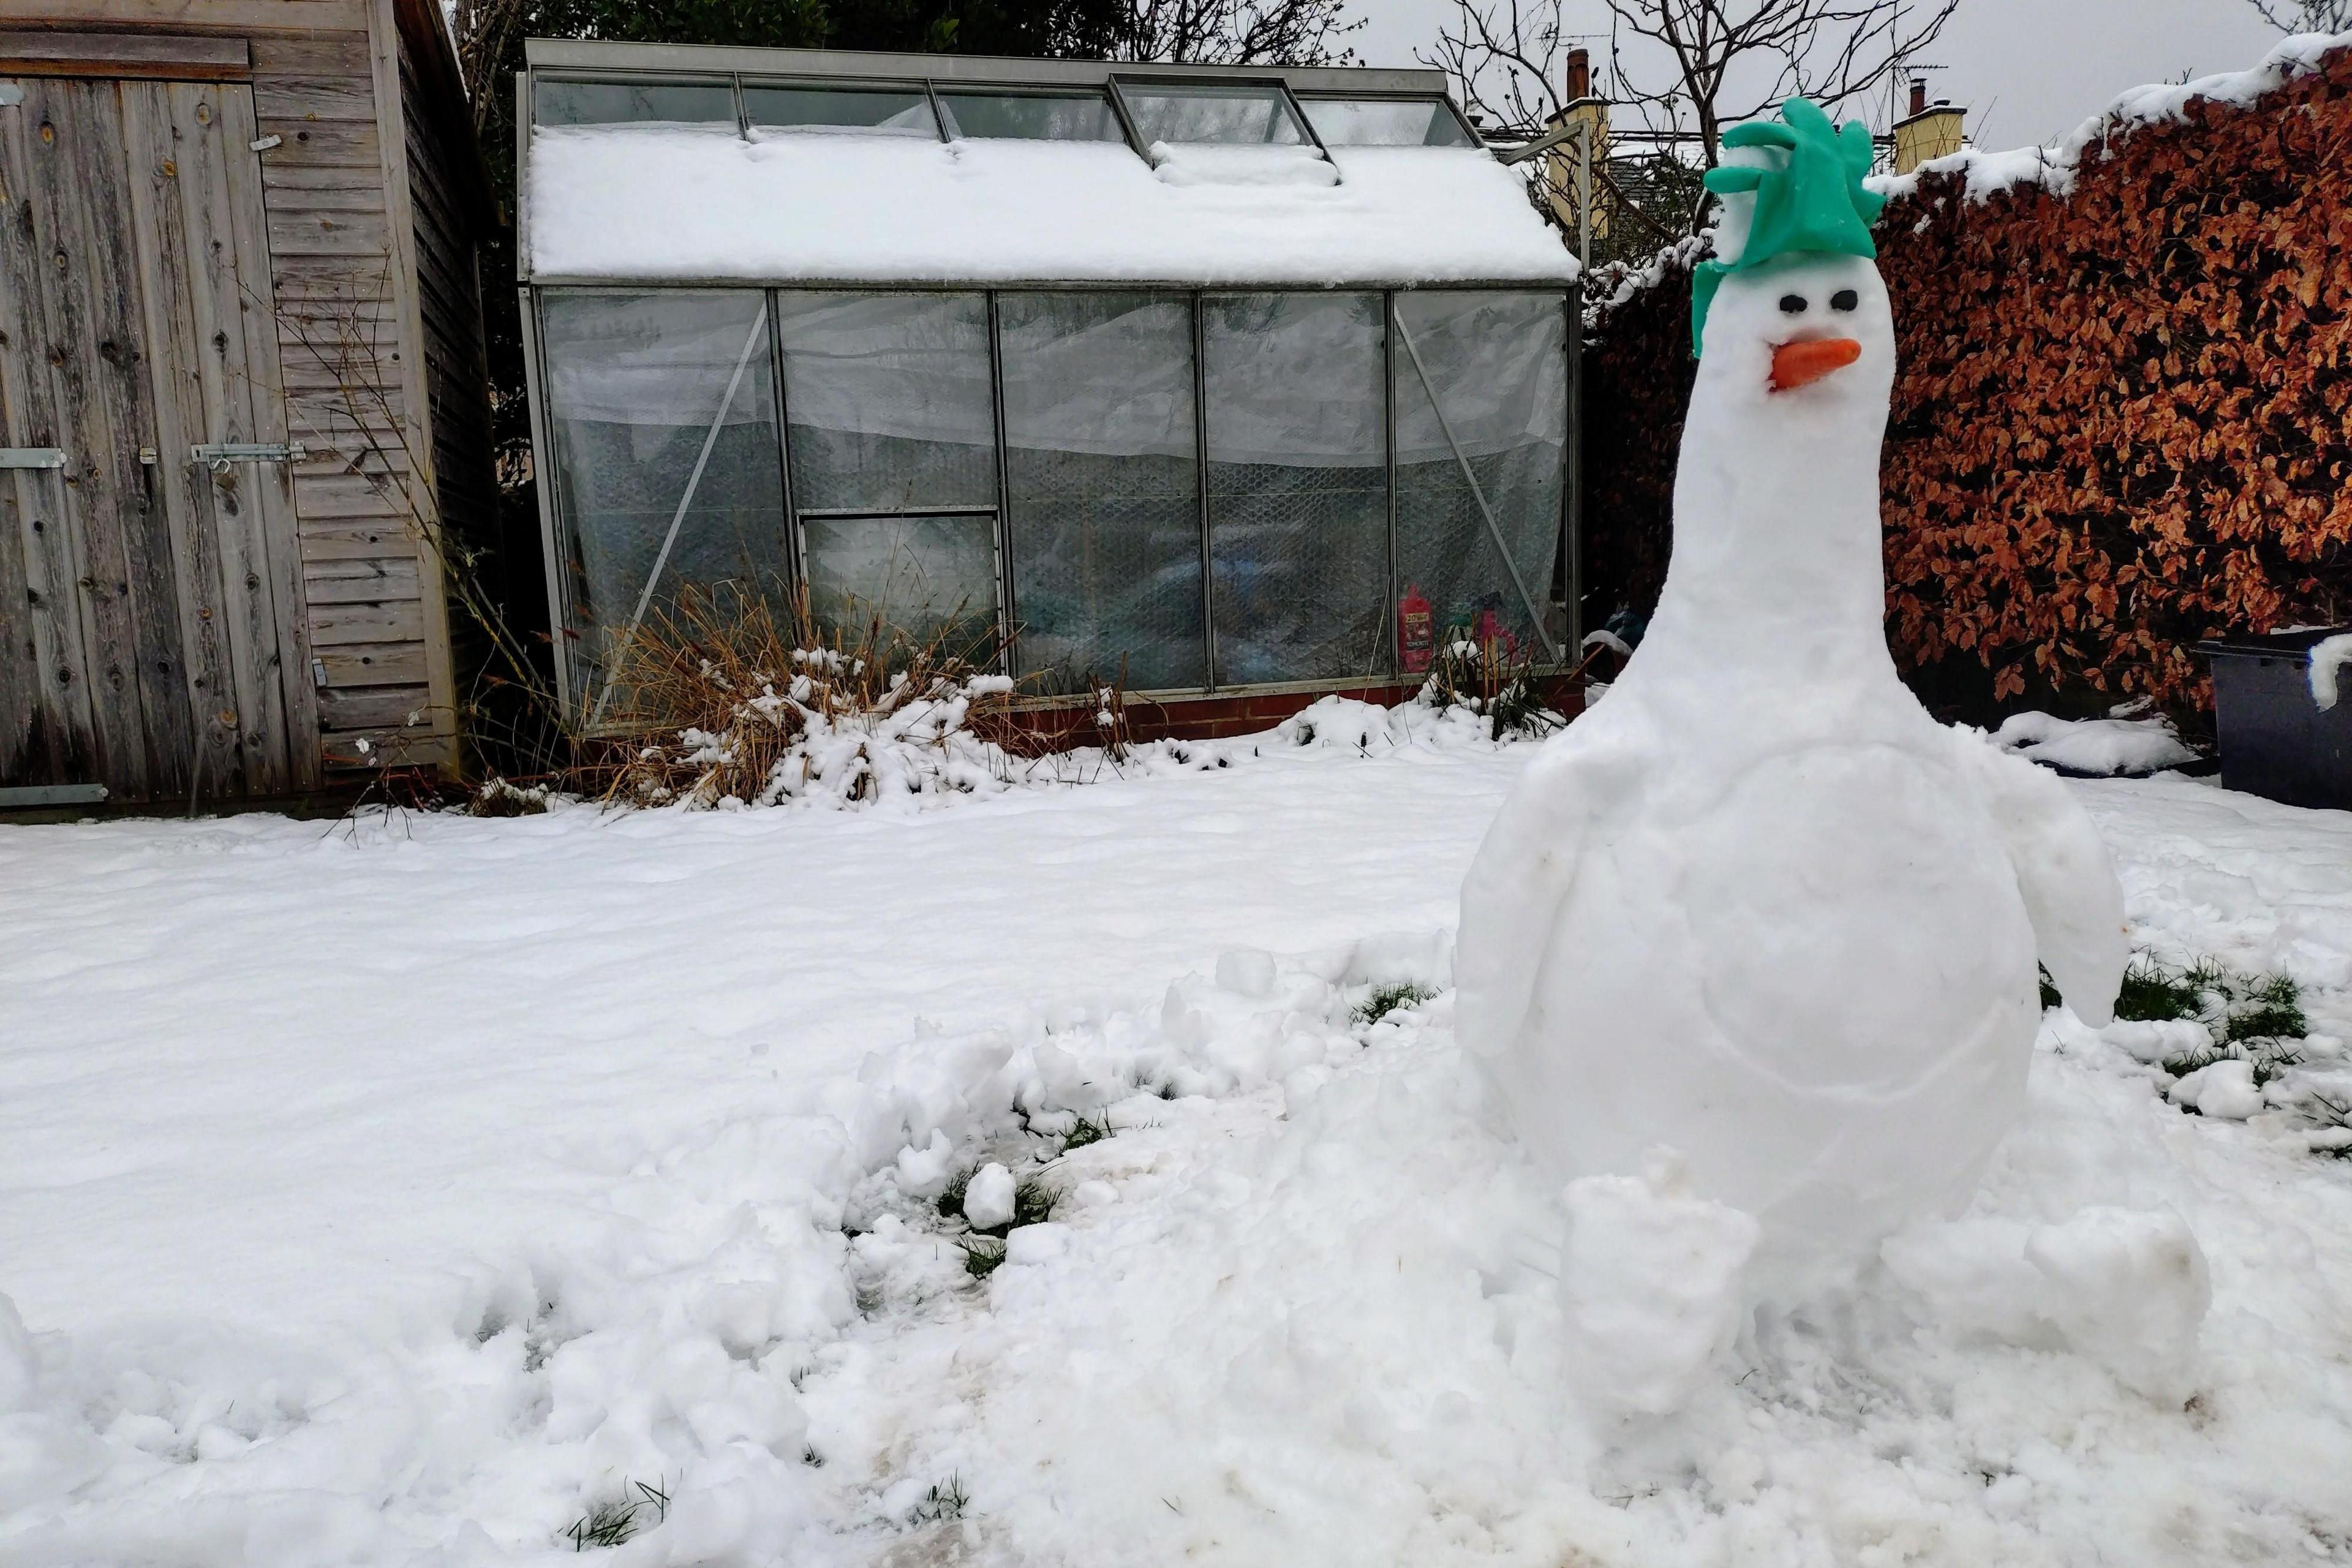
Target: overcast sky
point(2027, 70)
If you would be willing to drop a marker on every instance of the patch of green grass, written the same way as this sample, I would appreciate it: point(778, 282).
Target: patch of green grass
point(2269, 1007)
point(982, 1255)
point(950, 1202)
point(2268, 1064)
point(1032, 1203)
point(2154, 994)
point(2050, 997)
point(2333, 1115)
point(944, 1501)
point(1088, 1130)
point(1386, 999)
point(613, 1521)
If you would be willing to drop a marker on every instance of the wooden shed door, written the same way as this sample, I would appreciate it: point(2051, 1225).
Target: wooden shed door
point(148, 628)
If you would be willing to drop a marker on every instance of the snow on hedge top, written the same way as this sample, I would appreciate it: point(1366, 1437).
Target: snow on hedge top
point(673, 204)
point(2054, 166)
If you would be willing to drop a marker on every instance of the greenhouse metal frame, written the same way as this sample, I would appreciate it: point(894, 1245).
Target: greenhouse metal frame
point(1544, 624)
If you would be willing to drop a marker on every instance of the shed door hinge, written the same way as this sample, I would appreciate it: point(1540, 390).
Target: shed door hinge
point(32, 457)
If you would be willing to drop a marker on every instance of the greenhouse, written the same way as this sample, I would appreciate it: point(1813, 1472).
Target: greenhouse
point(1195, 380)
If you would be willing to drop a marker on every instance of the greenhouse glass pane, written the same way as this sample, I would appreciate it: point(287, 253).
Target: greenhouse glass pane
point(925, 579)
point(1238, 113)
point(1298, 498)
point(664, 413)
point(1495, 366)
point(1032, 116)
point(856, 111)
point(1101, 464)
point(1385, 123)
point(889, 401)
point(625, 103)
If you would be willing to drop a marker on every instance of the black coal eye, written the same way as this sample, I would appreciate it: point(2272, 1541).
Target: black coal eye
point(1795, 304)
point(1845, 300)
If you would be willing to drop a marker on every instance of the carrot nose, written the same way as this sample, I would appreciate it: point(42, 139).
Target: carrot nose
point(1802, 364)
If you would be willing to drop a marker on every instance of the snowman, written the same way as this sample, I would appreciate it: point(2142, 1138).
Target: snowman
point(1757, 907)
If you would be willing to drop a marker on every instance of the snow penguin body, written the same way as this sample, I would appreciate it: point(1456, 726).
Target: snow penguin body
point(1757, 905)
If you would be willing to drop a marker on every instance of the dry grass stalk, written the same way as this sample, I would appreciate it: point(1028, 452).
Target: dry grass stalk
point(719, 695)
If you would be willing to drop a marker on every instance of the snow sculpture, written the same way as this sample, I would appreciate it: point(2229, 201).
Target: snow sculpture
point(1758, 906)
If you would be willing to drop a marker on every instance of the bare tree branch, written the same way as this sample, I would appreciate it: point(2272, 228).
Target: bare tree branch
point(1698, 65)
point(1238, 32)
point(2307, 15)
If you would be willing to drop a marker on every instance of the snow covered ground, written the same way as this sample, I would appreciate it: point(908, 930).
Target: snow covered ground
point(402, 1192)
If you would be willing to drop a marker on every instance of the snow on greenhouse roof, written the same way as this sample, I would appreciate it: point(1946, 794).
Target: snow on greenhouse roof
point(667, 204)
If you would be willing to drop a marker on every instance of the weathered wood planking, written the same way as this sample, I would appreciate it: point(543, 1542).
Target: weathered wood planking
point(122, 57)
point(272, 488)
point(56, 740)
point(160, 250)
point(130, 617)
point(245, 16)
point(201, 311)
point(445, 184)
point(361, 581)
point(387, 45)
point(375, 709)
point(342, 249)
point(393, 620)
point(360, 664)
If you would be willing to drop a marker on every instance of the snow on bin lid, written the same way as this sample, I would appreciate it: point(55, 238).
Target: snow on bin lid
point(654, 203)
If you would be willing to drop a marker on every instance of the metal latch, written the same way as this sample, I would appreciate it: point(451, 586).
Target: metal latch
point(221, 453)
point(32, 457)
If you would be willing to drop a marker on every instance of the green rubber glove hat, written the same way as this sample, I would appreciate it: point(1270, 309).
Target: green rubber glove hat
point(1811, 200)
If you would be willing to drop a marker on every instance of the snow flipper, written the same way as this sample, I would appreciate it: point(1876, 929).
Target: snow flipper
point(2063, 872)
point(1521, 877)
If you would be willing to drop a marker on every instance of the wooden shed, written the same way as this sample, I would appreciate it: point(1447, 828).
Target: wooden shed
point(243, 402)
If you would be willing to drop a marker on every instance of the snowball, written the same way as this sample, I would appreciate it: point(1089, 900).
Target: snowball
point(1650, 1285)
point(2156, 1041)
point(988, 1196)
point(1091, 1196)
point(1245, 972)
point(2224, 1090)
point(923, 1172)
point(2129, 1290)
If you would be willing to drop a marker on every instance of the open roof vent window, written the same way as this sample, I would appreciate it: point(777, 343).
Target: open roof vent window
point(1031, 116)
point(841, 111)
point(1242, 114)
point(1386, 122)
point(698, 103)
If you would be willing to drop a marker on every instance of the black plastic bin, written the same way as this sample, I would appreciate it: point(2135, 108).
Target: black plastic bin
point(2276, 740)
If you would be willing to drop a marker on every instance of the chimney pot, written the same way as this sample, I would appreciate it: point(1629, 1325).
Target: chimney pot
point(1579, 74)
point(1918, 96)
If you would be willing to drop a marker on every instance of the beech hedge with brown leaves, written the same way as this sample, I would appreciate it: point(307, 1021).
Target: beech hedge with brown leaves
point(2121, 421)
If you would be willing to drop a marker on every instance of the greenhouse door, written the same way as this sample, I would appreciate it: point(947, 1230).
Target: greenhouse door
point(891, 436)
point(140, 605)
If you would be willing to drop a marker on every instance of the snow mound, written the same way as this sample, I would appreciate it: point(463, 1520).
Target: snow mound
point(922, 752)
point(2100, 748)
